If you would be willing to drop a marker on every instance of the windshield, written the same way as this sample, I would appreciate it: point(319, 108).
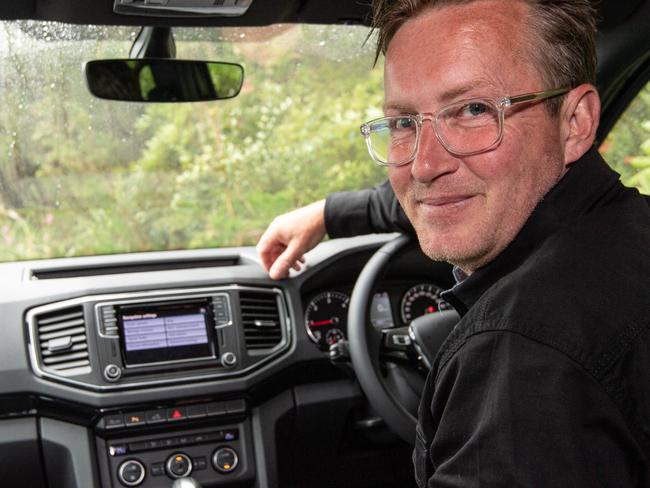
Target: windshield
point(83, 176)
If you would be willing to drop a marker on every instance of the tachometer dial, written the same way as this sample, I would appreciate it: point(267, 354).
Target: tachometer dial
point(326, 318)
point(420, 300)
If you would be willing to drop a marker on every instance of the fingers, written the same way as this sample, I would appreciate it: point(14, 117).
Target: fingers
point(285, 261)
point(265, 250)
point(289, 237)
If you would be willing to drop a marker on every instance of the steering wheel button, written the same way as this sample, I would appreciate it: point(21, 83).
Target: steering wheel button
point(401, 340)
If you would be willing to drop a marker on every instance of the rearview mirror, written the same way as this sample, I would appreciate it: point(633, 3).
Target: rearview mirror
point(163, 80)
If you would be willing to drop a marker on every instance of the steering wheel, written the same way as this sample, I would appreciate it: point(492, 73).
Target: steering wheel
point(386, 362)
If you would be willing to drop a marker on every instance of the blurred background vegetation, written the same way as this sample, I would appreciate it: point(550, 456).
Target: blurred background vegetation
point(82, 176)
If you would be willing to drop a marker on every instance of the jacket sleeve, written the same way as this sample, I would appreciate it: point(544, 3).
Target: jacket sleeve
point(510, 411)
point(375, 210)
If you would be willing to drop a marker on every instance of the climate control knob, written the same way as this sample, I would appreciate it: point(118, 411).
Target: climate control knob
point(178, 465)
point(225, 459)
point(131, 472)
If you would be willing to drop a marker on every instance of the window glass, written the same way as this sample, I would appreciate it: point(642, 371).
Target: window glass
point(83, 176)
point(627, 147)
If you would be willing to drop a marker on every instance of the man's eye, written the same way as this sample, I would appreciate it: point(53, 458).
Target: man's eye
point(475, 109)
point(403, 123)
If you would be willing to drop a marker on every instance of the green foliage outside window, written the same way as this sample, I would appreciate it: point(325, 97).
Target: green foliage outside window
point(81, 176)
point(627, 147)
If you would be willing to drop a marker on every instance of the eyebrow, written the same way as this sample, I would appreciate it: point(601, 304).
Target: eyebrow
point(446, 97)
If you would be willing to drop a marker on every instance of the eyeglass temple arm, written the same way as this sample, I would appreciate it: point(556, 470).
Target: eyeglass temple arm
point(527, 97)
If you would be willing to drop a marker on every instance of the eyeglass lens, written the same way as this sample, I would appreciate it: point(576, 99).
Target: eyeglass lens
point(463, 128)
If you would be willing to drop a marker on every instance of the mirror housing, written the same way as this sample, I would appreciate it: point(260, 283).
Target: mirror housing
point(163, 80)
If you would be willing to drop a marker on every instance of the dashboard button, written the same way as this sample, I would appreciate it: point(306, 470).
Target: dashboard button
point(118, 450)
point(155, 416)
point(216, 408)
point(230, 435)
point(199, 438)
point(153, 444)
point(112, 372)
point(113, 421)
point(133, 419)
point(200, 463)
point(174, 414)
point(157, 469)
point(228, 359)
point(137, 446)
point(196, 411)
point(215, 436)
point(236, 406)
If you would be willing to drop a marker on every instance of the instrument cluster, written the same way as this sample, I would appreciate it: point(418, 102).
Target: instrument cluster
point(326, 313)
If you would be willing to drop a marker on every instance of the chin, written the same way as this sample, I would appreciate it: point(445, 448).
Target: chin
point(459, 249)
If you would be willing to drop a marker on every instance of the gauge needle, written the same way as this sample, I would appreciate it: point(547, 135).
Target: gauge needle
point(321, 322)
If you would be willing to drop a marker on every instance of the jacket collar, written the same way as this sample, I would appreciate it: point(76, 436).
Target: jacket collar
point(585, 183)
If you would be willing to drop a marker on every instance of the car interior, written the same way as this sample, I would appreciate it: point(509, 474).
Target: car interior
point(153, 365)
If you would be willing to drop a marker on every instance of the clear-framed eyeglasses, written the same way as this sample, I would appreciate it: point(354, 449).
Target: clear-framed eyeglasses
point(463, 128)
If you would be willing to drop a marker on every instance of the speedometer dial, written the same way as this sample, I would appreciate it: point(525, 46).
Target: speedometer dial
point(326, 318)
point(420, 300)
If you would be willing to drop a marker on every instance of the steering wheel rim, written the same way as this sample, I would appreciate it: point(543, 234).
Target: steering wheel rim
point(364, 344)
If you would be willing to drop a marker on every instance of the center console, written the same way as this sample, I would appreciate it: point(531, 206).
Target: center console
point(165, 340)
point(209, 441)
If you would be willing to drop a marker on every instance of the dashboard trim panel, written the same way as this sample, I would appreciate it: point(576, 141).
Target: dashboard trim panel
point(274, 354)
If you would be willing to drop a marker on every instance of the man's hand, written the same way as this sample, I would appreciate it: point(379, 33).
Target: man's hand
point(289, 236)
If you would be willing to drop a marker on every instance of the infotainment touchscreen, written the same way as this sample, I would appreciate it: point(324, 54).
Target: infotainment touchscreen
point(166, 332)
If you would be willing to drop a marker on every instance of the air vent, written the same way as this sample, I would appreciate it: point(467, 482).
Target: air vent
point(261, 319)
point(61, 340)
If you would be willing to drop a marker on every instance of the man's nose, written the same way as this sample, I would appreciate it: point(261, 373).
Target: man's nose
point(432, 159)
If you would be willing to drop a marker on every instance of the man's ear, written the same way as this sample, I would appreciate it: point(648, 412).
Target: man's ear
point(580, 114)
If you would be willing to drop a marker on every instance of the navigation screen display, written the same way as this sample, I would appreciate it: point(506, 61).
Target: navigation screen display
point(165, 332)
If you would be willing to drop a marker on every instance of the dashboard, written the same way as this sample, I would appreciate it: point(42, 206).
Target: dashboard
point(137, 370)
point(395, 305)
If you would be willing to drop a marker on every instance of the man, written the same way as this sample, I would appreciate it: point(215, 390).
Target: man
point(545, 381)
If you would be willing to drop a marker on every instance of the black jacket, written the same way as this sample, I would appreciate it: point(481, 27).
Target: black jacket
point(545, 381)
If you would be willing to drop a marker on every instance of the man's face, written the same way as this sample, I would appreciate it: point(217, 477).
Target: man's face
point(466, 210)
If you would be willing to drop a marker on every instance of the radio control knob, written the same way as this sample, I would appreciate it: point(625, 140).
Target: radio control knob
point(131, 472)
point(228, 359)
point(225, 459)
point(179, 465)
point(112, 372)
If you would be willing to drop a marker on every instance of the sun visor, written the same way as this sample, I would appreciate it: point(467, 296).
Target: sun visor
point(182, 8)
